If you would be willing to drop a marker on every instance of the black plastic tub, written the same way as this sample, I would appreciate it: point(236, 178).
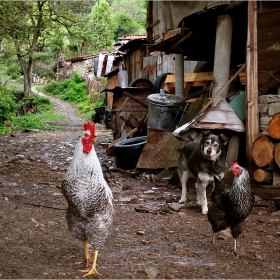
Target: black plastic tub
point(127, 152)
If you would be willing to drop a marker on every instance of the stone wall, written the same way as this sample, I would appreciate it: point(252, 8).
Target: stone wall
point(268, 106)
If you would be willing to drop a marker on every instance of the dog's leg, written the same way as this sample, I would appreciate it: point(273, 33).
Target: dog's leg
point(201, 195)
point(184, 179)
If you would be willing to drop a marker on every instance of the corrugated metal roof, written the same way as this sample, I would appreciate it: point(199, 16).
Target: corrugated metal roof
point(132, 37)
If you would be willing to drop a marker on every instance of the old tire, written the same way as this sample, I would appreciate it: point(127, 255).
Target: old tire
point(159, 83)
point(128, 151)
point(141, 83)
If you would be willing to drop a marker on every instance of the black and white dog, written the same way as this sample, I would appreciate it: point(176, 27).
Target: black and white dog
point(202, 161)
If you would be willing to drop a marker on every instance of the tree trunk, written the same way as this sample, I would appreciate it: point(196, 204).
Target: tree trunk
point(262, 176)
point(277, 154)
point(262, 151)
point(274, 126)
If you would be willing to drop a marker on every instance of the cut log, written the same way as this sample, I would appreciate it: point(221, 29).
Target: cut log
point(277, 154)
point(262, 151)
point(262, 176)
point(274, 126)
point(265, 191)
point(276, 179)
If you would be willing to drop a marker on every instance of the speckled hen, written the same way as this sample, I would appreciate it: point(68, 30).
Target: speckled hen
point(90, 202)
point(231, 205)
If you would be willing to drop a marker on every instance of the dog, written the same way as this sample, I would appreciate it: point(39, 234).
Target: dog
point(202, 161)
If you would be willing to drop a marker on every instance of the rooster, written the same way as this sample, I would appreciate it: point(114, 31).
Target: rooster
point(231, 205)
point(90, 201)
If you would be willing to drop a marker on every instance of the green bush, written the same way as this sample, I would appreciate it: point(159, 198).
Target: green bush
point(8, 106)
point(14, 71)
point(45, 56)
point(30, 121)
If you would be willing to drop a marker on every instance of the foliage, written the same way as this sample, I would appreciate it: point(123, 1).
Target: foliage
point(30, 121)
point(73, 90)
point(14, 71)
point(26, 25)
point(10, 102)
point(123, 24)
point(100, 21)
point(135, 8)
point(46, 56)
point(8, 106)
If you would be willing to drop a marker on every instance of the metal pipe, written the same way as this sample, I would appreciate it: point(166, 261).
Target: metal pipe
point(179, 75)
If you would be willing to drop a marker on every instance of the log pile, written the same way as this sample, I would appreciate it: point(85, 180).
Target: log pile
point(268, 107)
point(266, 155)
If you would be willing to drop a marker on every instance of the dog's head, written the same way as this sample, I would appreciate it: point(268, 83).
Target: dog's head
point(212, 146)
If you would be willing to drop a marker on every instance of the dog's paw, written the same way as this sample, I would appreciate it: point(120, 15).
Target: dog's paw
point(204, 210)
point(181, 201)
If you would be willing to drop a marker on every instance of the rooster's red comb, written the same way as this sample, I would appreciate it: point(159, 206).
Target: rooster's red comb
point(90, 126)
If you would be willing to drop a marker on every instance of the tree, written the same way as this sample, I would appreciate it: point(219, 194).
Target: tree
point(25, 23)
point(123, 25)
point(136, 8)
point(100, 20)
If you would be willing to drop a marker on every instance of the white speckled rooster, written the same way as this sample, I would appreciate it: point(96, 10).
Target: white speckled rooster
point(90, 201)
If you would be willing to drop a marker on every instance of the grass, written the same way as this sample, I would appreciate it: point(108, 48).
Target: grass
point(72, 90)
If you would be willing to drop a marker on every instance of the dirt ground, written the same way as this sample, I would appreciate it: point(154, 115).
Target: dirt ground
point(151, 238)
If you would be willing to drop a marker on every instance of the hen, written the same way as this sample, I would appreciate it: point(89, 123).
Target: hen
point(90, 201)
point(231, 205)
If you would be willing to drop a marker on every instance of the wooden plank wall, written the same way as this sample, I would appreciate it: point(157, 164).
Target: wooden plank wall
point(268, 24)
point(135, 63)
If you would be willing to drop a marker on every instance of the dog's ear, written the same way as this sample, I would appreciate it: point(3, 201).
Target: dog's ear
point(205, 132)
point(223, 138)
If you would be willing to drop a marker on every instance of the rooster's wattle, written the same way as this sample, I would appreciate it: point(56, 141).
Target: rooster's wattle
point(231, 205)
point(90, 201)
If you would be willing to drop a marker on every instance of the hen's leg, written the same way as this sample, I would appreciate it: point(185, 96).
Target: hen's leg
point(93, 270)
point(214, 237)
point(234, 246)
point(87, 255)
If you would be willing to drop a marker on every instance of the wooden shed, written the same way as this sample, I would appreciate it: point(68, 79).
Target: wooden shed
point(251, 30)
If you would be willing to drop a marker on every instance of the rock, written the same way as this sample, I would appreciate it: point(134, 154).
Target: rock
point(152, 272)
point(175, 206)
point(277, 213)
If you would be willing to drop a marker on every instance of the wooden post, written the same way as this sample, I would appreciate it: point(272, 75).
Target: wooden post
point(179, 75)
point(252, 106)
point(222, 56)
point(149, 28)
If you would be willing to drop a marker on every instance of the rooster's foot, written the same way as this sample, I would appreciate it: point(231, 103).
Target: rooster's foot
point(85, 261)
point(92, 271)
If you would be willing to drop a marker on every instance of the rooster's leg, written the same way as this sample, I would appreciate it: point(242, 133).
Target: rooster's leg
point(87, 255)
point(93, 270)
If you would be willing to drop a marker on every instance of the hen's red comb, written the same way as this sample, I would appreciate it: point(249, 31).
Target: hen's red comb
point(90, 127)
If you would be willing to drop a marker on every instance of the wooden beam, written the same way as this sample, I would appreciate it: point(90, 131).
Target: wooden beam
point(149, 20)
point(252, 106)
point(177, 44)
point(171, 33)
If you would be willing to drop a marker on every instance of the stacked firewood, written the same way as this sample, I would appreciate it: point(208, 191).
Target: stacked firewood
point(266, 154)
